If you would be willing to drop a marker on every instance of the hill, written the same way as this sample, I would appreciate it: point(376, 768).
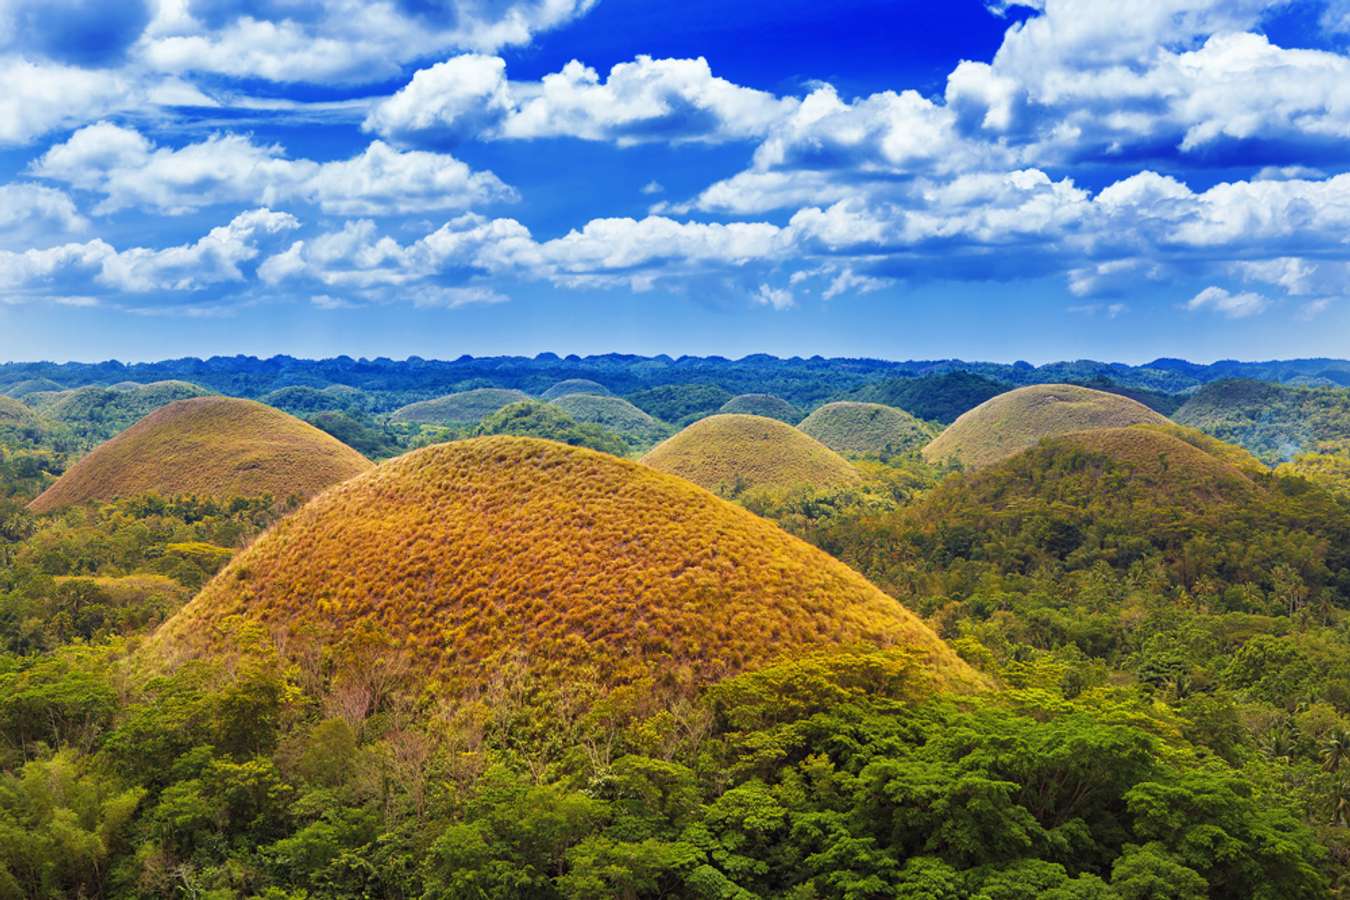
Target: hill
point(19, 426)
point(762, 405)
point(575, 386)
point(1274, 421)
point(97, 413)
point(483, 553)
point(463, 408)
point(1012, 422)
point(21, 389)
point(680, 404)
point(218, 447)
point(537, 419)
point(729, 453)
point(865, 428)
point(302, 400)
point(615, 414)
point(939, 397)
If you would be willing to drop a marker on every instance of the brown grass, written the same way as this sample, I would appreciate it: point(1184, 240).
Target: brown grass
point(1017, 420)
point(493, 551)
point(217, 447)
point(865, 428)
point(726, 453)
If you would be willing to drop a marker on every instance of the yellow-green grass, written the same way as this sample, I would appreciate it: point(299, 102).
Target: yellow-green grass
point(1331, 471)
point(13, 414)
point(763, 405)
point(866, 428)
point(1181, 470)
point(217, 447)
point(463, 408)
point(500, 551)
point(1016, 420)
point(1230, 453)
point(127, 589)
point(616, 414)
point(575, 386)
point(127, 401)
point(731, 453)
point(21, 389)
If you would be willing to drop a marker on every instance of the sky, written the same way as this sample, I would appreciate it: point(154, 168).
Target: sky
point(1040, 180)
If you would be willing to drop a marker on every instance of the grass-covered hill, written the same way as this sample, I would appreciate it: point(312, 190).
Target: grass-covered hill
point(1276, 422)
point(21, 389)
point(13, 414)
point(95, 414)
point(615, 414)
point(866, 428)
point(939, 397)
point(680, 404)
point(463, 408)
point(762, 405)
point(731, 453)
point(496, 551)
point(1012, 422)
point(217, 447)
point(575, 386)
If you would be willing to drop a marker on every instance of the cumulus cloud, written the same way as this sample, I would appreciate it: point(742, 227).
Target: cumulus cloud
point(1234, 306)
point(644, 100)
point(340, 41)
point(129, 171)
point(32, 213)
point(41, 97)
point(95, 267)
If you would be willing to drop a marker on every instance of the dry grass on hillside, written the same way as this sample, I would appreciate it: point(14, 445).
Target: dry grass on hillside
point(866, 428)
point(575, 386)
point(480, 553)
point(729, 453)
point(1017, 420)
point(463, 408)
point(1167, 461)
point(208, 447)
point(1230, 453)
point(13, 414)
point(762, 405)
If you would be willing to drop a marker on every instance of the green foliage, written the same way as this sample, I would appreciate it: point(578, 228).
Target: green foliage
point(94, 414)
point(637, 429)
point(936, 398)
point(532, 418)
point(370, 441)
point(680, 404)
point(763, 405)
point(575, 386)
point(1276, 422)
point(462, 408)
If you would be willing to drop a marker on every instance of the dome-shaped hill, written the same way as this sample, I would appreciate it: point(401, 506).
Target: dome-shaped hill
point(766, 405)
point(499, 550)
point(212, 447)
point(21, 389)
point(575, 386)
point(463, 408)
point(865, 428)
point(1011, 422)
point(615, 414)
point(730, 452)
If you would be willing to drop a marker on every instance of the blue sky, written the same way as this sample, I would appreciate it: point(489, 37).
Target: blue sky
point(1116, 179)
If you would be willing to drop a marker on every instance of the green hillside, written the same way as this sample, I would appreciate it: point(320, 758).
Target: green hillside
point(575, 386)
point(639, 430)
point(935, 398)
point(95, 414)
point(866, 429)
point(535, 419)
point(680, 404)
point(1275, 422)
point(463, 408)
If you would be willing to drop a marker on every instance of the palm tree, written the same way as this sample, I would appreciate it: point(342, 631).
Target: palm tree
point(1335, 749)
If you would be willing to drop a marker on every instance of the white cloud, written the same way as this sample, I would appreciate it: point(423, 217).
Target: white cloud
point(1234, 306)
point(94, 267)
point(778, 298)
point(129, 171)
point(644, 100)
point(42, 97)
point(31, 213)
point(343, 41)
point(1314, 308)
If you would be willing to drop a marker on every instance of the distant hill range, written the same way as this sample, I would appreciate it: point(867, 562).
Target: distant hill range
point(804, 383)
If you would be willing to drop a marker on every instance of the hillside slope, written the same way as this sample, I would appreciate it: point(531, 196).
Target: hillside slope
point(463, 408)
point(865, 428)
point(1016, 420)
point(484, 552)
point(728, 453)
point(763, 405)
point(218, 447)
point(575, 386)
point(1274, 421)
point(637, 428)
